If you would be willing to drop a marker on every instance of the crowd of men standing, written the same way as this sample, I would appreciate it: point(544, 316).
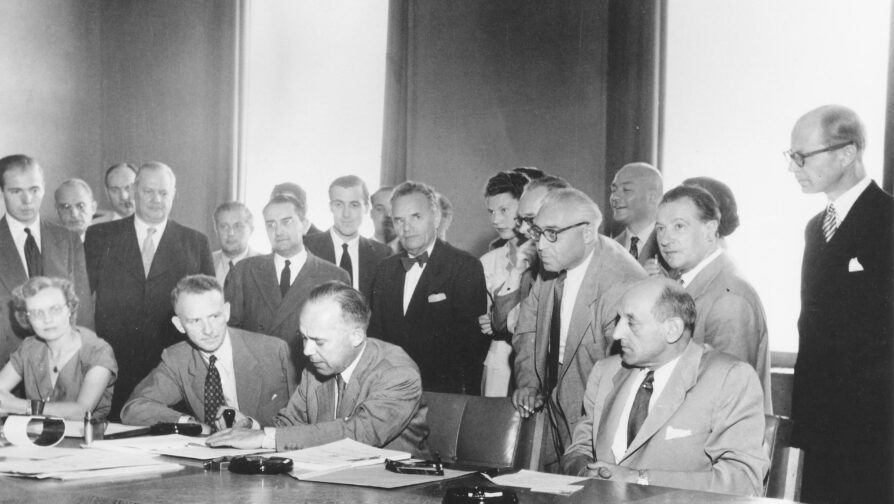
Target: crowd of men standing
point(648, 353)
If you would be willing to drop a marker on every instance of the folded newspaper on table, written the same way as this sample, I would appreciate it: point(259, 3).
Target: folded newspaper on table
point(83, 464)
point(342, 454)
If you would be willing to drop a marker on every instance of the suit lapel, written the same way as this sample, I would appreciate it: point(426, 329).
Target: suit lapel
point(707, 276)
point(196, 370)
point(325, 395)
point(53, 254)
point(247, 369)
point(430, 276)
point(352, 389)
point(681, 380)
point(285, 308)
point(328, 252)
point(167, 252)
point(611, 412)
point(13, 273)
point(581, 315)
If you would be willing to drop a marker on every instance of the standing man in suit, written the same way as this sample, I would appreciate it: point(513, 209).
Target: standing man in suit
point(266, 292)
point(217, 367)
point(380, 213)
point(296, 191)
point(566, 322)
point(234, 225)
point(75, 206)
point(134, 263)
point(731, 316)
point(636, 191)
point(119, 190)
point(357, 387)
point(844, 384)
point(669, 411)
point(343, 245)
point(31, 246)
point(428, 299)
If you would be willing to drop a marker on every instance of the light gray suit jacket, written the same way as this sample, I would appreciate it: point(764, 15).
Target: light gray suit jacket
point(382, 405)
point(62, 254)
point(265, 378)
point(704, 432)
point(730, 318)
point(610, 272)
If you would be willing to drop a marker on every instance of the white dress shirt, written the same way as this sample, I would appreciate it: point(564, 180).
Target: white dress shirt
point(689, 276)
point(353, 252)
point(17, 229)
point(227, 372)
point(573, 280)
point(660, 379)
point(845, 202)
point(643, 236)
point(411, 280)
point(296, 262)
point(142, 226)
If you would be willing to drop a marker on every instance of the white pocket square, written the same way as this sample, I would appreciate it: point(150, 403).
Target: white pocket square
point(434, 298)
point(676, 433)
point(854, 265)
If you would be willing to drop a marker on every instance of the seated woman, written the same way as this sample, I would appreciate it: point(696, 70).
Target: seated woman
point(68, 367)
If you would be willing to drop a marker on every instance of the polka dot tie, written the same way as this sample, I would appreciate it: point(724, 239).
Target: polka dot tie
point(214, 398)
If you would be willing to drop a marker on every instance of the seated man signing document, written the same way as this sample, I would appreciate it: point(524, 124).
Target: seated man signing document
point(218, 367)
point(669, 411)
point(356, 387)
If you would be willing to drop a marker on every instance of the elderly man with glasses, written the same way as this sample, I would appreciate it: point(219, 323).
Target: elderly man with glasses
point(566, 323)
point(842, 395)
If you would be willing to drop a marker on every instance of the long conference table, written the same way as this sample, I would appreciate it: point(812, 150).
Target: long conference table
point(193, 484)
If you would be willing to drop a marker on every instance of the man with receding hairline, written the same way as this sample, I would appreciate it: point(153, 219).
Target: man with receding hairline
point(134, 264)
point(636, 191)
point(75, 205)
point(119, 181)
point(844, 376)
point(31, 246)
point(234, 225)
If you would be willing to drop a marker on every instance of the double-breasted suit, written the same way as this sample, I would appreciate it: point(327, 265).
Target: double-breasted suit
point(133, 310)
point(844, 375)
point(704, 432)
point(62, 255)
point(265, 379)
point(370, 253)
point(440, 330)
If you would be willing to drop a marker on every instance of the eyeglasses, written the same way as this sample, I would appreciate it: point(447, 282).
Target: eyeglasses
point(523, 220)
point(799, 158)
point(52, 312)
point(68, 207)
point(551, 235)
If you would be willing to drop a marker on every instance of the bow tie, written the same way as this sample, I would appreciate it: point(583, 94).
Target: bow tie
point(408, 261)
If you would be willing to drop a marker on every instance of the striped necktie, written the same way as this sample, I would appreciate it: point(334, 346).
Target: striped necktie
point(830, 222)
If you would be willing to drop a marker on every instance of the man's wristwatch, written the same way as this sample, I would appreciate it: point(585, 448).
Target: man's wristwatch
point(642, 477)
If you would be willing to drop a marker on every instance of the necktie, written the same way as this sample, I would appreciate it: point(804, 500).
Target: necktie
point(32, 255)
point(634, 250)
point(148, 250)
point(408, 261)
point(555, 329)
point(214, 398)
point(640, 409)
point(830, 222)
point(340, 387)
point(230, 266)
point(345, 262)
point(285, 279)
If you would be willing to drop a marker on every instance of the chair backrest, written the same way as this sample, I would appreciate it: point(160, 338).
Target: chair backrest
point(484, 432)
point(783, 480)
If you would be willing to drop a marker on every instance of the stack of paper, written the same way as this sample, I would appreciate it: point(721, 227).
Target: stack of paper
point(75, 429)
point(540, 482)
point(173, 445)
point(82, 464)
point(322, 459)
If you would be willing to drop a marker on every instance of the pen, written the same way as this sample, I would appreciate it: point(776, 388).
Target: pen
point(362, 459)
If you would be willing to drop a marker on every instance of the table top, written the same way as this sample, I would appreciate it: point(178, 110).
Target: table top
point(193, 484)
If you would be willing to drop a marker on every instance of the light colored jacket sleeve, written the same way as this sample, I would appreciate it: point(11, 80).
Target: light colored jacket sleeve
point(151, 401)
point(524, 340)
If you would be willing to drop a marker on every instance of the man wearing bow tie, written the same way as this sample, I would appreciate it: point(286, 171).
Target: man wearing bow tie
point(428, 299)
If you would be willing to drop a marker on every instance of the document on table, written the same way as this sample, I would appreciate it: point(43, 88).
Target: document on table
point(29, 452)
point(337, 455)
point(540, 482)
point(75, 429)
point(378, 477)
point(86, 464)
point(174, 445)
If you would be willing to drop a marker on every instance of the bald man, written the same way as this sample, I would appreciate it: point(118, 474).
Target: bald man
point(133, 264)
point(75, 205)
point(842, 396)
point(636, 191)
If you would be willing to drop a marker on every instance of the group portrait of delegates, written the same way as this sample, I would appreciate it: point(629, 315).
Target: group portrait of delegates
point(647, 353)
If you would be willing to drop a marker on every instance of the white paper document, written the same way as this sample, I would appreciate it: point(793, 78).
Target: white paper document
point(84, 464)
point(378, 477)
point(174, 445)
point(29, 452)
point(540, 482)
point(337, 455)
point(75, 428)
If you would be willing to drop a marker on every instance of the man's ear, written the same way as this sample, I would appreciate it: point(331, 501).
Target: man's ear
point(226, 312)
point(673, 328)
point(712, 226)
point(179, 325)
point(357, 337)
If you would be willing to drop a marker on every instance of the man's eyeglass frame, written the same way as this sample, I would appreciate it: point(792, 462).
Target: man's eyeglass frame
point(799, 159)
point(551, 235)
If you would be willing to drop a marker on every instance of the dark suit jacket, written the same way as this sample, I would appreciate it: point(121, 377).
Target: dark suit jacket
point(265, 379)
point(844, 383)
point(611, 270)
point(62, 255)
point(252, 289)
point(704, 432)
point(440, 331)
point(382, 405)
point(133, 312)
point(371, 254)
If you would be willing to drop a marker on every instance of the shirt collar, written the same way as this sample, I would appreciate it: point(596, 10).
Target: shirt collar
point(295, 262)
point(642, 235)
point(845, 202)
point(225, 258)
point(581, 268)
point(346, 374)
point(427, 249)
point(690, 275)
point(141, 226)
point(337, 240)
point(17, 227)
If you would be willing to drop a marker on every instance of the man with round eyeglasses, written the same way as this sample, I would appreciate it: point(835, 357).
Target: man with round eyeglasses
point(565, 324)
point(842, 404)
